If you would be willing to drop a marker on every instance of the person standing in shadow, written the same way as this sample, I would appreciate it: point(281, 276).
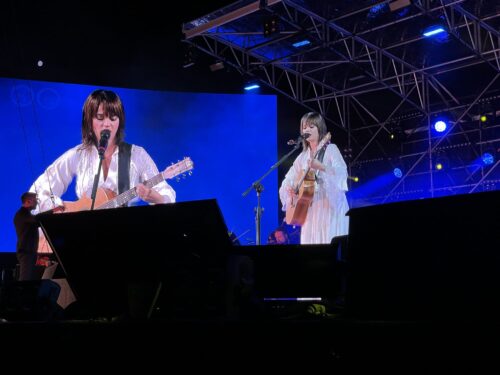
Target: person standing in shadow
point(27, 237)
point(278, 237)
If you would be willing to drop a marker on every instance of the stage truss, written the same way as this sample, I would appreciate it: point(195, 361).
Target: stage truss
point(366, 66)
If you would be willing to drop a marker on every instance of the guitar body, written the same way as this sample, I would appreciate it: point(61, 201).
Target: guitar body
point(296, 213)
point(84, 203)
point(106, 198)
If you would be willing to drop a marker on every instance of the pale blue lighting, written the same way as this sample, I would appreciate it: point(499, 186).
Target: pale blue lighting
point(252, 86)
point(398, 172)
point(434, 30)
point(304, 42)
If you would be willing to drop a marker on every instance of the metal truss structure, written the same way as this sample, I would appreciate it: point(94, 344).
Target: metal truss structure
point(366, 66)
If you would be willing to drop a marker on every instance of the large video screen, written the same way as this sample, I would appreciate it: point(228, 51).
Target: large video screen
point(230, 138)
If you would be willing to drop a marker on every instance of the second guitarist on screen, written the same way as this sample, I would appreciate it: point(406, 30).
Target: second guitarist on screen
point(326, 213)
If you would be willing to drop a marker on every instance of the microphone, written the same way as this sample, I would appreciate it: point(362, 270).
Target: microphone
point(298, 140)
point(103, 142)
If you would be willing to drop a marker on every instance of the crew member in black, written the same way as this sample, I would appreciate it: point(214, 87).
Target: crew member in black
point(27, 237)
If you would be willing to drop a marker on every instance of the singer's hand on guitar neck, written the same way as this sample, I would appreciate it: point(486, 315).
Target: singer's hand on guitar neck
point(149, 195)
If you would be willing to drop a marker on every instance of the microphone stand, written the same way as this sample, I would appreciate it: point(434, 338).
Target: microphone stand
point(257, 186)
point(96, 180)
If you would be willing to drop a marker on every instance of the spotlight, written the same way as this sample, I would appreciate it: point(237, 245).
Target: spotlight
point(488, 157)
point(442, 162)
point(250, 86)
point(395, 133)
point(440, 126)
point(487, 119)
point(398, 173)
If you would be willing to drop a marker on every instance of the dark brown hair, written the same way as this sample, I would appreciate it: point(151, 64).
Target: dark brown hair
point(317, 120)
point(112, 106)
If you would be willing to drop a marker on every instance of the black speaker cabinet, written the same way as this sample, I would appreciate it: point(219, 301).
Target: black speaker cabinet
point(426, 259)
point(173, 253)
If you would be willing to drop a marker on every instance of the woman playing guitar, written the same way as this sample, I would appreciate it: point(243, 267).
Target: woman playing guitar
point(314, 190)
point(103, 112)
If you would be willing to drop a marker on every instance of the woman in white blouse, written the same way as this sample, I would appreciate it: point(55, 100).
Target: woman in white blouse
point(326, 216)
point(102, 111)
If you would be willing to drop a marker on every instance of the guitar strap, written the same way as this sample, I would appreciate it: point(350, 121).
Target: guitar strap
point(124, 154)
point(321, 155)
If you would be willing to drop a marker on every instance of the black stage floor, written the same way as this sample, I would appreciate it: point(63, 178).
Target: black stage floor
point(342, 345)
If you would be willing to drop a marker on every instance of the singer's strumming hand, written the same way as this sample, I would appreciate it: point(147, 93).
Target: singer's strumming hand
point(291, 192)
point(317, 165)
point(59, 209)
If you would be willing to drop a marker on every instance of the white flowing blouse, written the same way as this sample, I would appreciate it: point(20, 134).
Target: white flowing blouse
point(326, 217)
point(82, 163)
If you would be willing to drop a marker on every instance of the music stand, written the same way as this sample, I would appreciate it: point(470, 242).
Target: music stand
point(106, 252)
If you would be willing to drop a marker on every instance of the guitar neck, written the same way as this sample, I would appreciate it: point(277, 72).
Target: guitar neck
point(322, 144)
point(130, 194)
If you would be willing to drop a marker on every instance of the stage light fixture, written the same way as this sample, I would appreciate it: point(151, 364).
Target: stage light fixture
point(440, 126)
point(442, 162)
point(398, 4)
point(250, 86)
point(395, 133)
point(434, 30)
point(488, 157)
point(271, 25)
point(398, 173)
point(219, 65)
point(189, 56)
point(301, 43)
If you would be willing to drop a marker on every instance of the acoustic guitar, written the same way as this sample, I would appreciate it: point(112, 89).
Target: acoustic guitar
point(296, 211)
point(106, 198)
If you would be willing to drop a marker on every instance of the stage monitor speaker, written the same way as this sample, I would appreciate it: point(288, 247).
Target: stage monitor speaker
point(285, 280)
point(172, 252)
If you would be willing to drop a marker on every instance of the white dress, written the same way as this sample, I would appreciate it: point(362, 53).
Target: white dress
point(82, 164)
point(326, 217)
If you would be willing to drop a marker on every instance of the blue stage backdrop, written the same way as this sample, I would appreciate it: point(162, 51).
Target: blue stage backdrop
point(230, 138)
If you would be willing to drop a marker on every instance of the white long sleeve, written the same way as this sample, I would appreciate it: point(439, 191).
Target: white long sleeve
point(82, 163)
point(326, 217)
